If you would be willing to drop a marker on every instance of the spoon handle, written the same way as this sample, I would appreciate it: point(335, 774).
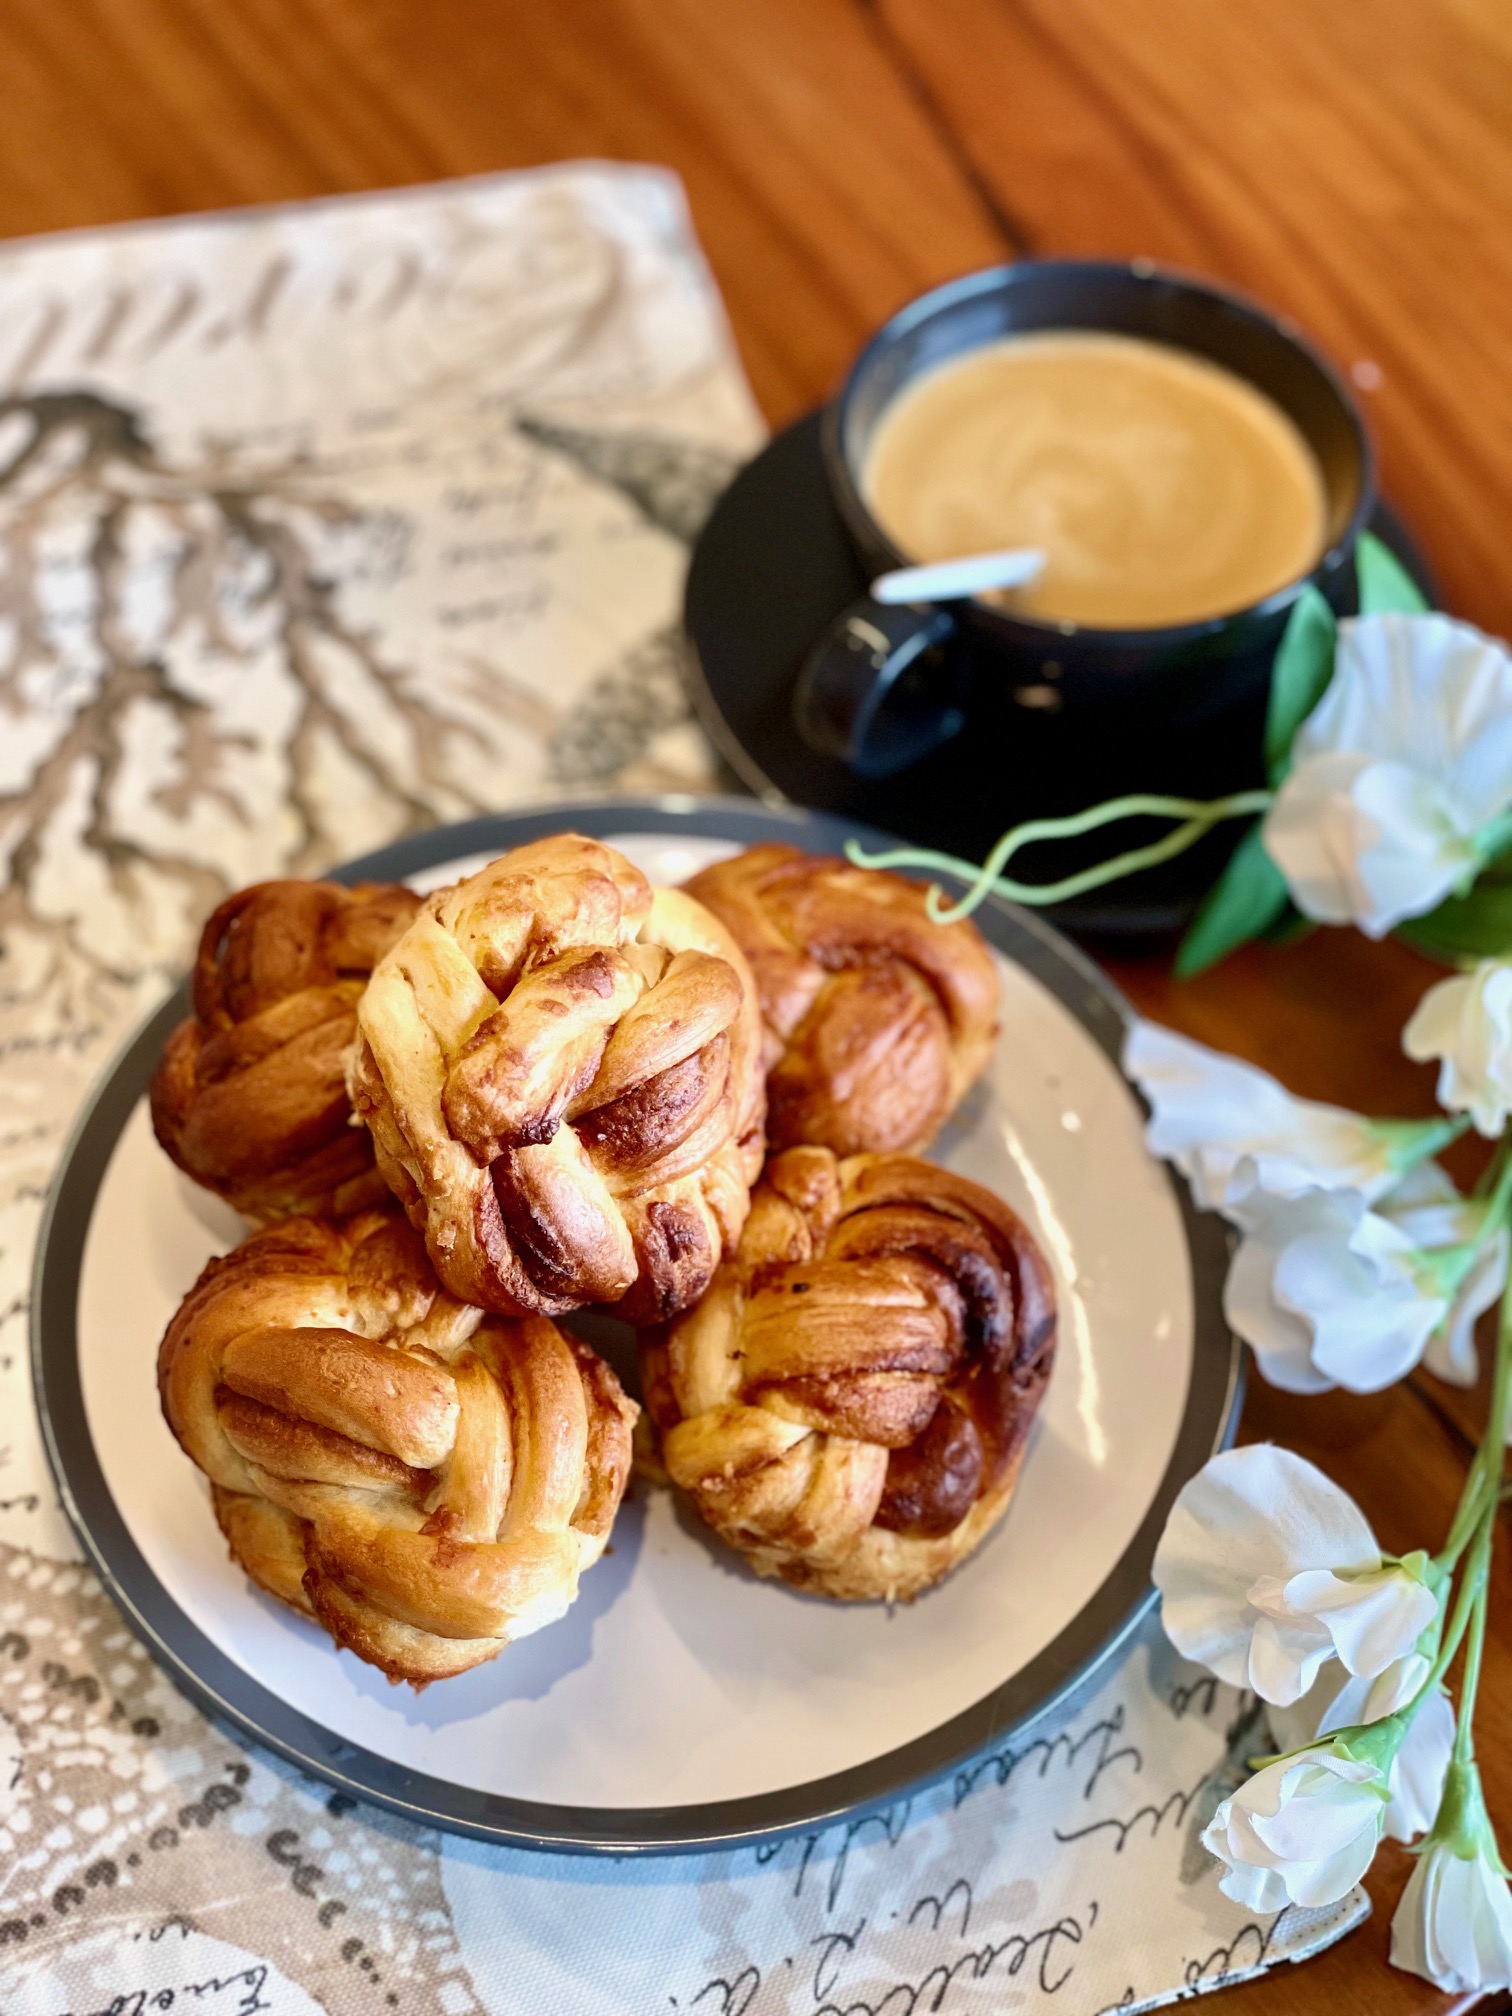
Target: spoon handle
point(951, 580)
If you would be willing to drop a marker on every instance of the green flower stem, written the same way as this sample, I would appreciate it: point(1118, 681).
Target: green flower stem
point(1467, 1517)
point(1492, 1173)
point(1410, 1142)
point(1471, 1590)
point(1198, 816)
point(1475, 1643)
point(1499, 1200)
point(1483, 1487)
point(1462, 1820)
point(1447, 1267)
point(1479, 1508)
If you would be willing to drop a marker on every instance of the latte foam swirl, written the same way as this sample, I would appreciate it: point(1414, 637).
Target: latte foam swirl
point(1162, 488)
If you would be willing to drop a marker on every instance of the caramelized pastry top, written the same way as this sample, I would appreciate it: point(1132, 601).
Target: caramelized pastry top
point(877, 1019)
point(561, 1071)
point(869, 1364)
point(250, 1097)
point(429, 1482)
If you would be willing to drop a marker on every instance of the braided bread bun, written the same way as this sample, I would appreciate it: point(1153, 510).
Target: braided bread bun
point(562, 1075)
point(877, 1020)
point(250, 1098)
point(427, 1482)
point(850, 1404)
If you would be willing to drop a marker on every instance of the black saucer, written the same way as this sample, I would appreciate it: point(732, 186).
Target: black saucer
point(773, 566)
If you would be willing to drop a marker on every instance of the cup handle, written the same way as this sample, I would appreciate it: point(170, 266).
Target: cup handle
point(879, 690)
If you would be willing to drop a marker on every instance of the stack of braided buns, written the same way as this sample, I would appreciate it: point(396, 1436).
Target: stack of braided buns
point(552, 1087)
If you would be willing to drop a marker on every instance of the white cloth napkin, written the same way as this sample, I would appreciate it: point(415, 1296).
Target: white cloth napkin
point(318, 526)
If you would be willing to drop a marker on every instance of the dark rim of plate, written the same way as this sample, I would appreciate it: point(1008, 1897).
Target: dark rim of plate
point(227, 1693)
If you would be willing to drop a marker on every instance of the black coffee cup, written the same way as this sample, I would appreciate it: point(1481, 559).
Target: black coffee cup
point(885, 686)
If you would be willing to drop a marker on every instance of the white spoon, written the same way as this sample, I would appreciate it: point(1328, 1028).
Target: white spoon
point(951, 580)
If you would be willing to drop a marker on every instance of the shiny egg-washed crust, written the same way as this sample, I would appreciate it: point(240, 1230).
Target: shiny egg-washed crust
point(426, 1481)
point(561, 1071)
point(877, 1019)
point(850, 1404)
point(250, 1097)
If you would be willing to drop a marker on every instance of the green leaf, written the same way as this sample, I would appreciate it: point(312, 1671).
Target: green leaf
point(1290, 927)
point(1302, 669)
point(1248, 897)
point(1477, 926)
point(1385, 584)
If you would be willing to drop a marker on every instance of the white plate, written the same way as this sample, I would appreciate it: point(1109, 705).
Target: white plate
point(682, 1700)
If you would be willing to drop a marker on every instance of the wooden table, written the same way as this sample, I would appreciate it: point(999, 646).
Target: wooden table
point(1352, 165)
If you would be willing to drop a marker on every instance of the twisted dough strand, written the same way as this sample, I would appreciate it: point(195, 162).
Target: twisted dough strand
point(877, 1019)
point(427, 1482)
point(250, 1097)
point(561, 1074)
point(850, 1404)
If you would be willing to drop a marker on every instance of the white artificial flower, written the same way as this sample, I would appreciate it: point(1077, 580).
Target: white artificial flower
point(1339, 1700)
point(1428, 1208)
point(1451, 1354)
point(1267, 1570)
point(1316, 1616)
point(1399, 775)
point(1467, 1023)
point(1454, 1923)
point(1328, 1292)
point(1239, 1137)
point(1301, 1831)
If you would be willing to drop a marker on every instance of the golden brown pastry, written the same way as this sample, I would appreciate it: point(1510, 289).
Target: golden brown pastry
point(426, 1481)
point(850, 1404)
point(562, 1075)
point(877, 1020)
point(250, 1098)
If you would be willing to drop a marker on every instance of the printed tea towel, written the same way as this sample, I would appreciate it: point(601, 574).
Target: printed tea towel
point(318, 526)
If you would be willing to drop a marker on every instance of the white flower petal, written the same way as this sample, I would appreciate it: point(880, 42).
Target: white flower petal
point(1467, 1023)
point(1318, 1812)
point(1418, 850)
point(1249, 1513)
point(1326, 1293)
point(1294, 1724)
point(1233, 1131)
point(1339, 1700)
point(1303, 1829)
point(1369, 1621)
point(1403, 764)
point(1425, 1206)
point(1348, 1275)
point(1417, 1777)
point(1244, 1837)
point(1451, 1353)
point(1257, 1889)
point(1425, 690)
point(1454, 1923)
point(1382, 1696)
point(1312, 834)
point(1281, 1342)
point(1365, 843)
point(1369, 1345)
point(1315, 1883)
point(1285, 1654)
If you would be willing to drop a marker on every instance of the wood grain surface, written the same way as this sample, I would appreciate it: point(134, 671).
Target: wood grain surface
point(1350, 165)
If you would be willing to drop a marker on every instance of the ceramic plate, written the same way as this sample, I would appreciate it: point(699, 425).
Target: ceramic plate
point(682, 1702)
